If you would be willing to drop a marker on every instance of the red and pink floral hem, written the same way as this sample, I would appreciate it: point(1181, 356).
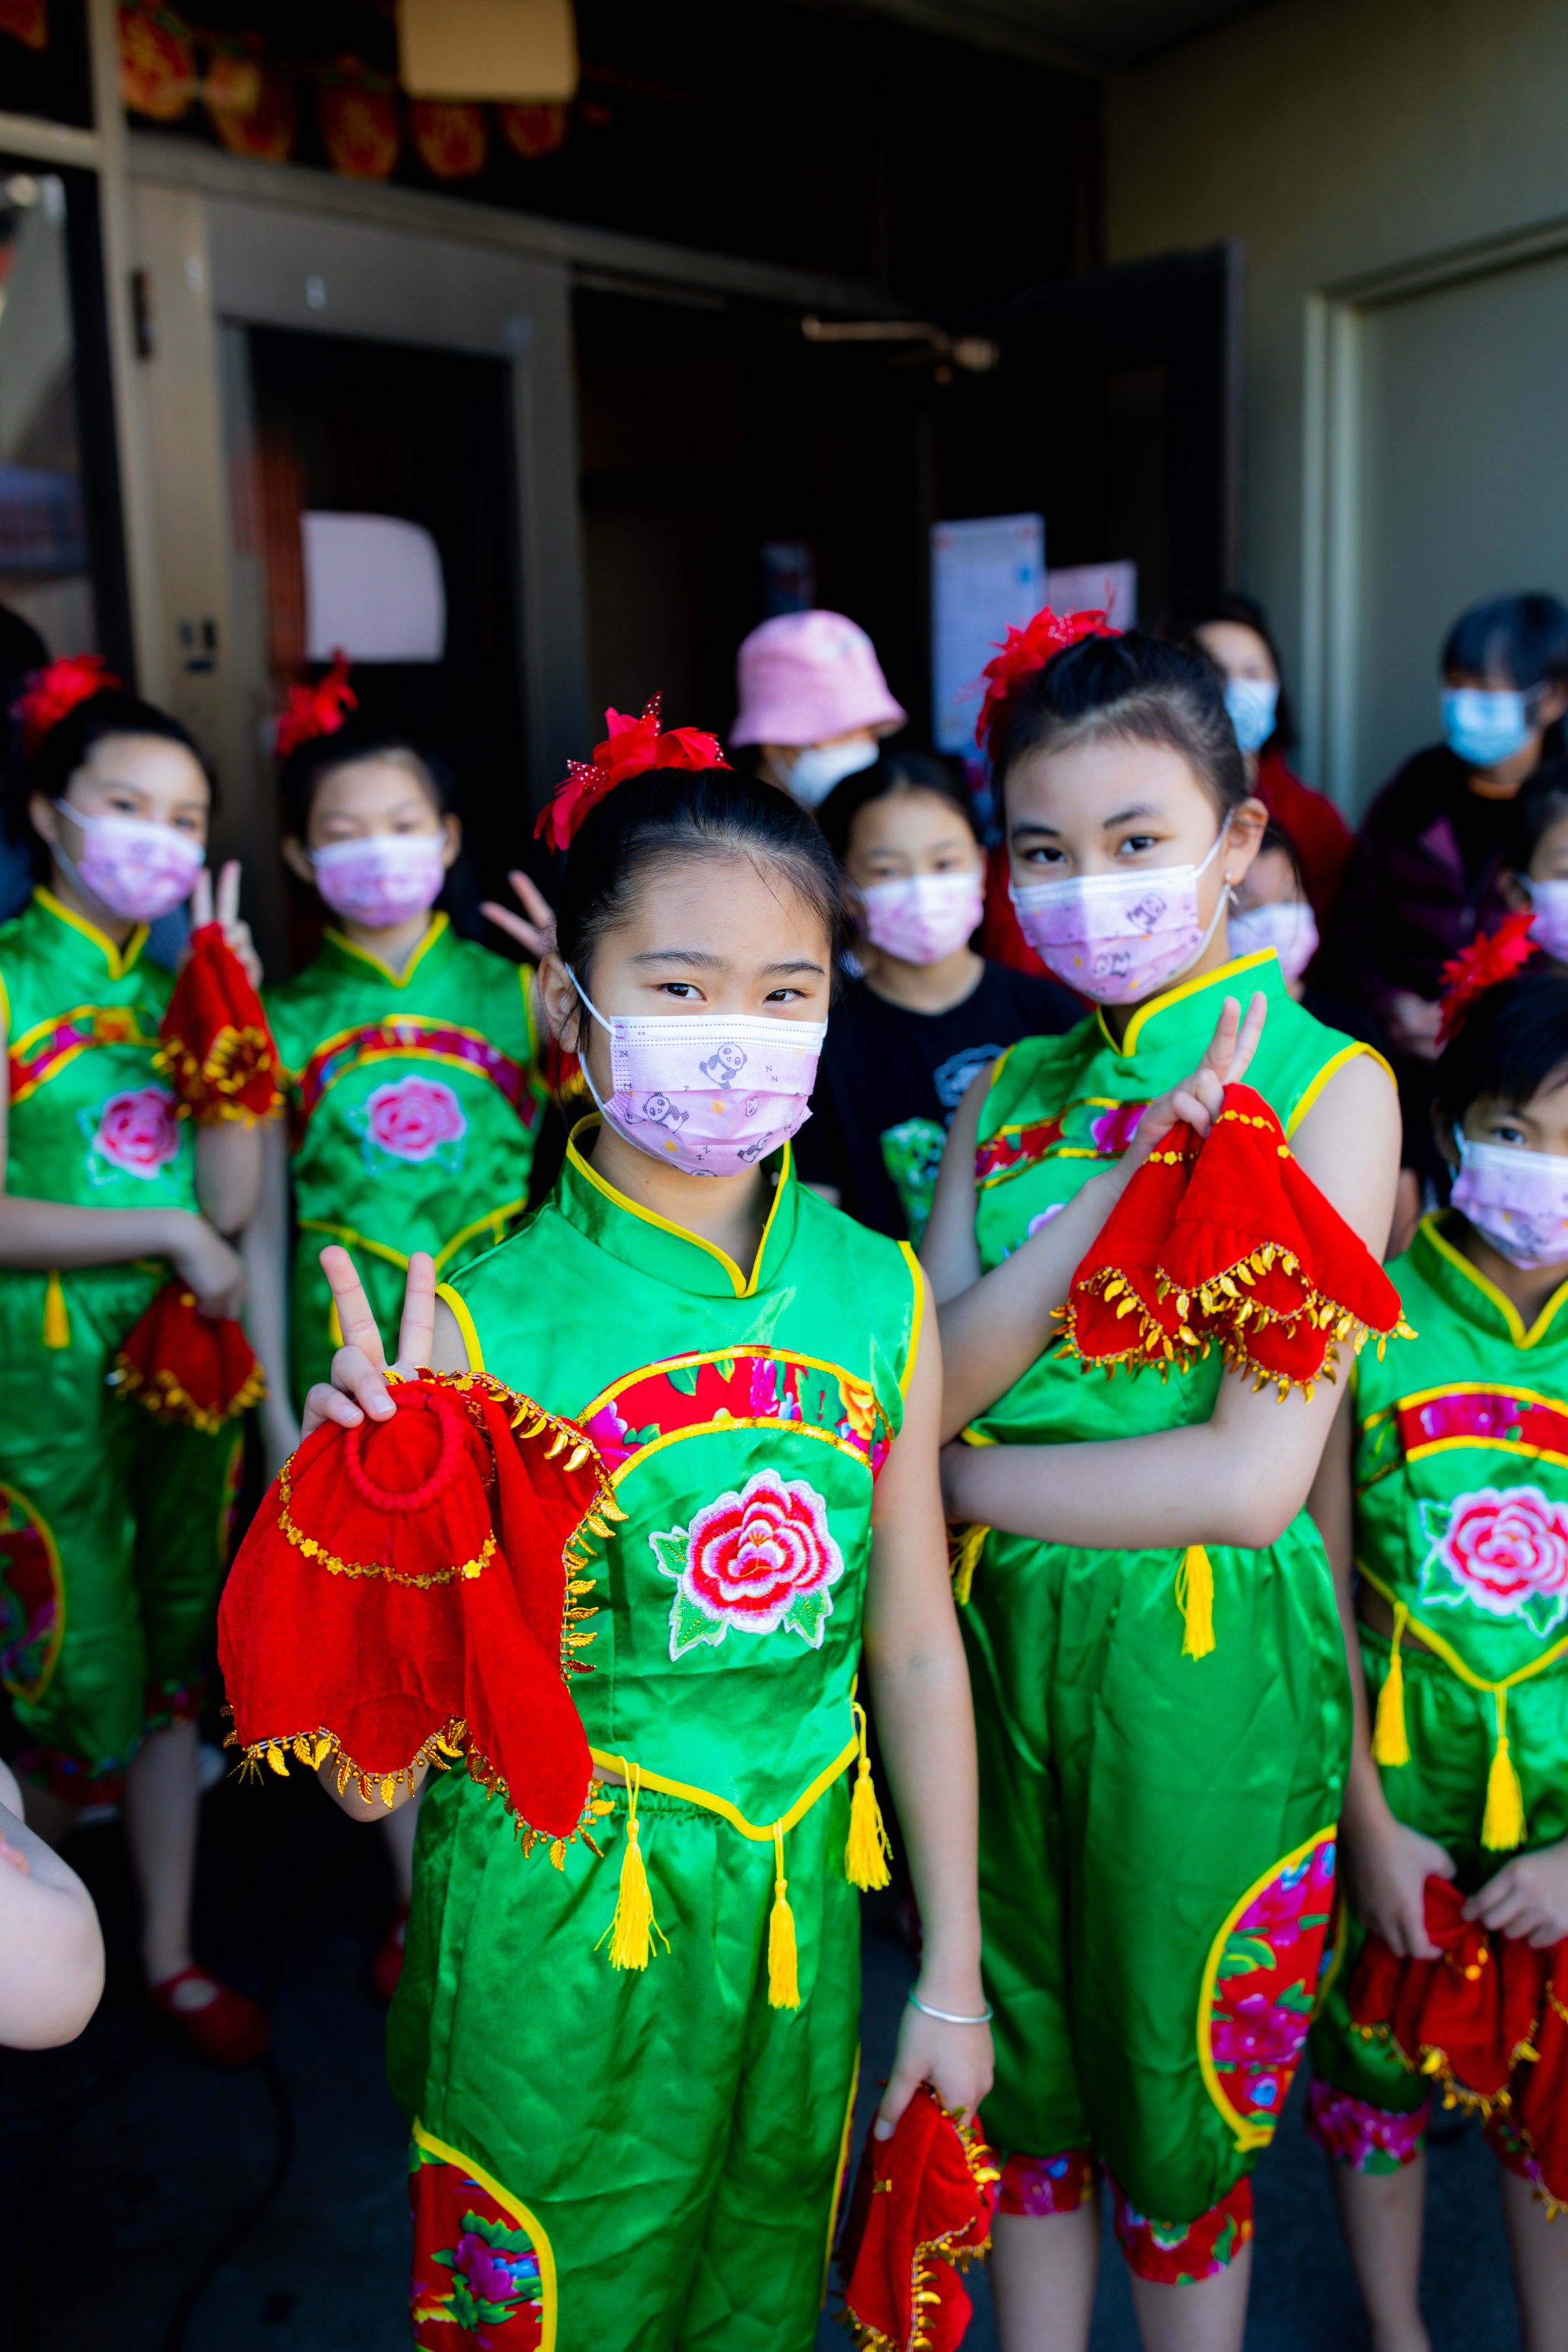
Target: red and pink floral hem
point(1033, 2184)
point(1180, 2253)
point(1365, 2137)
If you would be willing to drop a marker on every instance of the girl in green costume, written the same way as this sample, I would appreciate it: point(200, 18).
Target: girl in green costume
point(628, 2132)
point(1161, 1699)
point(113, 1525)
point(1445, 1491)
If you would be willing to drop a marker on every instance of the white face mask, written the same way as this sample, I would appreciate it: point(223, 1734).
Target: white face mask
point(812, 773)
point(1550, 928)
point(1119, 938)
point(1288, 926)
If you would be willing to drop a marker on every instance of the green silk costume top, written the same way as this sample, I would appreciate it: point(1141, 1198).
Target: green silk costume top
point(743, 1422)
point(414, 1098)
point(1061, 1108)
point(93, 1119)
point(1461, 1467)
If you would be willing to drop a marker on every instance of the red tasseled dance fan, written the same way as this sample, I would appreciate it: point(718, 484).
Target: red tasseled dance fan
point(187, 1366)
point(409, 1589)
point(921, 2210)
point(1468, 2019)
point(1228, 1242)
point(218, 1046)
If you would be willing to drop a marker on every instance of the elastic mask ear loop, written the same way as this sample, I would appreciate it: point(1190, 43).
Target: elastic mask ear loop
point(1226, 898)
point(607, 1026)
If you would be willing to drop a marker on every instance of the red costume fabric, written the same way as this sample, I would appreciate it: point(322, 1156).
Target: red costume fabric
point(188, 1367)
point(411, 1589)
point(218, 1046)
point(921, 2210)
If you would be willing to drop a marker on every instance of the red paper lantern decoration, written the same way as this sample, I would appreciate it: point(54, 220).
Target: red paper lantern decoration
point(534, 130)
point(26, 21)
point(157, 62)
point(251, 104)
point(452, 140)
point(358, 115)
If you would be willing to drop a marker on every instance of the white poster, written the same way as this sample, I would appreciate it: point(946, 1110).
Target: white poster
point(987, 576)
point(1107, 588)
point(373, 589)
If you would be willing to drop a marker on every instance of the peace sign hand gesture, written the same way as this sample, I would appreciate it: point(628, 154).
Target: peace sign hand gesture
point(1198, 1100)
point(358, 1384)
point(226, 914)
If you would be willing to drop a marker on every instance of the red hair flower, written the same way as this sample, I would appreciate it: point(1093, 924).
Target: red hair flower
point(1025, 652)
point(631, 748)
point(1494, 956)
point(321, 710)
point(50, 693)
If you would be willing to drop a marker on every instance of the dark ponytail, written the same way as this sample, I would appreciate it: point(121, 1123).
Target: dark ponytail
point(1132, 687)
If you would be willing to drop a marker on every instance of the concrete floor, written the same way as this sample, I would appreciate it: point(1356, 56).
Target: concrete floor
point(155, 2205)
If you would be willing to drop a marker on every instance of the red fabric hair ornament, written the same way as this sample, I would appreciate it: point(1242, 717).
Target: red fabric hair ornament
point(216, 1043)
point(1493, 957)
point(1488, 2022)
point(630, 748)
point(921, 2210)
point(411, 1589)
point(185, 1367)
point(319, 710)
point(50, 694)
point(1025, 652)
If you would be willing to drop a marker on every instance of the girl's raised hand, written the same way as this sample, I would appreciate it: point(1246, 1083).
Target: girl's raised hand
point(358, 1384)
point(534, 928)
point(1198, 1100)
point(226, 914)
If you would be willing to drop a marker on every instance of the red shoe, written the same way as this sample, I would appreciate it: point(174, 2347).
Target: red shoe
point(229, 2031)
point(387, 1966)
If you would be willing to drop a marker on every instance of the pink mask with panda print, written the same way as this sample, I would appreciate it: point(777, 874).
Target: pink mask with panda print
point(711, 1094)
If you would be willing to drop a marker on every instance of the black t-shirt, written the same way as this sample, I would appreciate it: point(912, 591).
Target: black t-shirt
point(889, 1081)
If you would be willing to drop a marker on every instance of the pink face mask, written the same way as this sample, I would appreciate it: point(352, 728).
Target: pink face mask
point(1287, 925)
point(1119, 938)
point(1550, 928)
point(386, 878)
point(1516, 1199)
point(136, 869)
point(709, 1094)
point(924, 918)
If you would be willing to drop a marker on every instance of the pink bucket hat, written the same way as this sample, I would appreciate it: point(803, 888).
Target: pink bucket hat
point(807, 676)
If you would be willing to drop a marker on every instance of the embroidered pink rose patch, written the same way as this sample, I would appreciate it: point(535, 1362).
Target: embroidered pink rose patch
point(414, 1120)
point(1506, 1550)
point(137, 1132)
point(756, 1560)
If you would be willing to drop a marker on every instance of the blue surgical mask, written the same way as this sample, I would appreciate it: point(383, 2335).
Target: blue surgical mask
point(1252, 703)
point(1482, 726)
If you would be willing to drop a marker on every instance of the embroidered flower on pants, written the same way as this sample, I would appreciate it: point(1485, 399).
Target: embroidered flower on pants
point(1506, 1551)
point(756, 1560)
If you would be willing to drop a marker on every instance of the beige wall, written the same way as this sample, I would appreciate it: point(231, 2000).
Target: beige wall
point(1335, 139)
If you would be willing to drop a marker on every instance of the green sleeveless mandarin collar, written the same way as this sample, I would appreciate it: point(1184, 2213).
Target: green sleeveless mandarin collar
point(1061, 1108)
point(1462, 1482)
point(742, 1417)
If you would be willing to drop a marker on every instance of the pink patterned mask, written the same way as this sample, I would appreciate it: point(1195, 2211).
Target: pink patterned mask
point(1550, 928)
point(709, 1094)
point(383, 879)
point(136, 869)
point(925, 916)
point(1516, 1199)
point(1119, 938)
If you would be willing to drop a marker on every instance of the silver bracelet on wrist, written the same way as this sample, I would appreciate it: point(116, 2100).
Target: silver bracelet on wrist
point(946, 2016)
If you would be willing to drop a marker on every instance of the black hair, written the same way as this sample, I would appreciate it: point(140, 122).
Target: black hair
point(1274, 837)
point(1179, 627)
point(1511, 1042)
point(1521, 638)
point(300, 774)
point(891, 772)
point(1139, 688)
point(70, 744)
point(1542, 798)
point(668, 815)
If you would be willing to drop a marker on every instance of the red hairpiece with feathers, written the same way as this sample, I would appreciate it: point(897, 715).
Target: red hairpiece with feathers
point(1496, 956)
point(320, 709)
point(631, 748)
point(51, 694)
point(1025, 652)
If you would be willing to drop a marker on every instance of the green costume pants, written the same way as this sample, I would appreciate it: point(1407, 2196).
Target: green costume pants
point(114, 1535)
point(623, 2162)
point(1452, 1731)
point(1156, 1860)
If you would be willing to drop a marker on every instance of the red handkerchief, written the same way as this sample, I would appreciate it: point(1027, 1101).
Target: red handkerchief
point(218, 1046)
point(922, 2207)
point(1467, 2019)
point(1540, 2113)
point(188, 1367)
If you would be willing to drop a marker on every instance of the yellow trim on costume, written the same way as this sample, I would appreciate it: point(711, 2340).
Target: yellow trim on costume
point(1248, 2134)
point(1505, 1306)
point(1445, 1650)
point(529, 2222)
point(91, 1015)
point(1330, 1068)
point(465, 1322)
point(917, 1321)
point(1147, 1011)
point(761, 1833)
point(839, 2178)
point(1339, 1935)
point(744, 1286)
point(4, 1005)
point(739, 1421)
point(119, 960)
point(351, 1239)
point(439, 925)
point(34, 1691)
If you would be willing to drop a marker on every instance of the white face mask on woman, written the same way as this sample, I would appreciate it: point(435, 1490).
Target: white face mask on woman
point(814, 772)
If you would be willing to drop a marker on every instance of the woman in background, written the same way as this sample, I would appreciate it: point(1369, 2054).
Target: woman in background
point(813, 703)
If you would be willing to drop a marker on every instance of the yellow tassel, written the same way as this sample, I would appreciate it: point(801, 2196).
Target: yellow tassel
point(632, 1930)
point(1390, 1741)
point(1194, 1598)
point(965, 1560)
point(57, 1320)
point(1502, 1824)
point(335, 1326)
point(784, 1983)
point(866, 1849)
